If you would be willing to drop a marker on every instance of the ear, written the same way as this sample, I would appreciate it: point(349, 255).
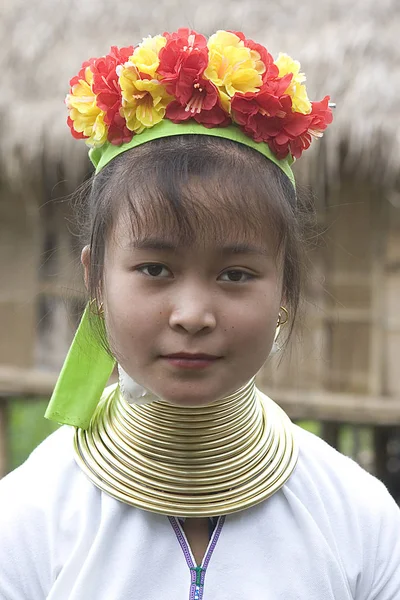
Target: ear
point(85, 260)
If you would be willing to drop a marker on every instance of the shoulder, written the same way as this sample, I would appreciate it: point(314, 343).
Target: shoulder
point(331, 475)
point(48, 465)
point(352, 510)
point(35, 500)
point(335, 483)
point(48, 489)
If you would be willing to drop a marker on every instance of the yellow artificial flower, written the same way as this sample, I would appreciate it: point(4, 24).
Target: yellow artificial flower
point(232, 67)
point(296, 90)
point(87, 117)
point(145, 56)
point(144, 101)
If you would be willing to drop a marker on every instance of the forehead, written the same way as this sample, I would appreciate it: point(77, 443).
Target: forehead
point(199, 215)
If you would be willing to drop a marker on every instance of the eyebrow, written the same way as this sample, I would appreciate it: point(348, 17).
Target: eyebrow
point(151, 244)
point(162, 244)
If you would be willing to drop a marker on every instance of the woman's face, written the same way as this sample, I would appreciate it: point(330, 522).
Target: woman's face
point(192, 323)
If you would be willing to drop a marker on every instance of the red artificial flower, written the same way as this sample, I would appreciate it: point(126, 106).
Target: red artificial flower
point(74, 81)
point(321, 116)
point(259, 113)
point(293, 136)
point(118, 133)
point(298, 130)
point(216, 117)
point(81, 74)
point(187, 37)
point(121, 55)
point(183, 61)
point(105, 81)
point(201, 103)
point(267, 116)
point(76, 134)
point(106, 87)
point(108, 92)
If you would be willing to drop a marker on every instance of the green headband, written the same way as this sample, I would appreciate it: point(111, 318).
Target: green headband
point(100, 157)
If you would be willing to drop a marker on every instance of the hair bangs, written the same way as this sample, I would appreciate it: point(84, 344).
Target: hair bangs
point(219, 195)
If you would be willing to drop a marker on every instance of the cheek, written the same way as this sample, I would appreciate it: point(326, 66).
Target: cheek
point(254, 323)
point(122, 299)
point(123, 308)
point(130, 315)
point(138, 316)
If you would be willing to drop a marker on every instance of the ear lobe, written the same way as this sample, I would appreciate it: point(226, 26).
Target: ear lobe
point(85, 260)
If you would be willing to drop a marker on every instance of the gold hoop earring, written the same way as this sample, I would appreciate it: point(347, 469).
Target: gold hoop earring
point(97, 309)
point(283, 318)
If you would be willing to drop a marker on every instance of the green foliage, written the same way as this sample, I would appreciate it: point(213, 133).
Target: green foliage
point(27, 428)
point(311, 426)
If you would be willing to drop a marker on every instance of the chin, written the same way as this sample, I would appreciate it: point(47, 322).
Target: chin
point(195, 394)
point(188, 401)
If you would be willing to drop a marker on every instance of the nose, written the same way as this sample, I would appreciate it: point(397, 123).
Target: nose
point(193, 313)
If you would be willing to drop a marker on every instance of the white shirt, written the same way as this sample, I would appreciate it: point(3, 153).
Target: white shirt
point(331, 533)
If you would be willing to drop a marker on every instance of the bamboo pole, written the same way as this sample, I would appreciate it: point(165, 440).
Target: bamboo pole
point(3, 436)
point(330, 432)
point(378, 327)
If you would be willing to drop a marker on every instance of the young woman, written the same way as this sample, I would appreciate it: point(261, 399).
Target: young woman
point(184, 480)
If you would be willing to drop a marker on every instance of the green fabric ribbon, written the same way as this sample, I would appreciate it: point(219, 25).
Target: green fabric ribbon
point(84, 375)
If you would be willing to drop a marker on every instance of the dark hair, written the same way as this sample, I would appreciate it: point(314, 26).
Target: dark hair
point(175, 174)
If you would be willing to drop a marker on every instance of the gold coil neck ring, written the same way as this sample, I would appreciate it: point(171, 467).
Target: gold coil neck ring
point(189, 461)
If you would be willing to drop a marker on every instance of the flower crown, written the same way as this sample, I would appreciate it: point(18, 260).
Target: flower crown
point(182, 75)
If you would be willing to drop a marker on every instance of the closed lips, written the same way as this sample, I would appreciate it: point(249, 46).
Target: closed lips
point(188, 356)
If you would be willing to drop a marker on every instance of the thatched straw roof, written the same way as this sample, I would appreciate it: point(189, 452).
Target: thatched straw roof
point(348, 48)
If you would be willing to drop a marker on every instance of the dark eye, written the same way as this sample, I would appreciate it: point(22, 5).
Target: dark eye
point(236, 276)
point(155, 270)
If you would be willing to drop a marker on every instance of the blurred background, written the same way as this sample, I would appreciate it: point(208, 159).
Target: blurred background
point(340, 377)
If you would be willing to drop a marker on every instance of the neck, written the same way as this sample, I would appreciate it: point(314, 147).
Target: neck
point(135, 394)
point(191, 433)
